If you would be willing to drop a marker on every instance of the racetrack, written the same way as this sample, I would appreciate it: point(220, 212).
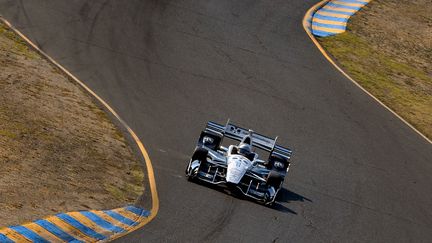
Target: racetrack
point(358, 174)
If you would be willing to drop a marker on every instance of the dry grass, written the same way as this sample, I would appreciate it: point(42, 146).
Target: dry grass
point(58, 150)
point(388, 50)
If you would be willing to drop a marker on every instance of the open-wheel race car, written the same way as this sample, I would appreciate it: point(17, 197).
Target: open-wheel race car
point(239, 167)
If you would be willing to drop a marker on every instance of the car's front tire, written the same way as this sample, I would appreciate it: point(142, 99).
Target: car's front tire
point(198, 157)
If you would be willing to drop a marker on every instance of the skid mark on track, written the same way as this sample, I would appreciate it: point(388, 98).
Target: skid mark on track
point(28, 20)
point(221, 221)
point(95, 19)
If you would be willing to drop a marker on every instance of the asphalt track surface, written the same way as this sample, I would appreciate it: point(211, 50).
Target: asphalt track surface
point(167, 67)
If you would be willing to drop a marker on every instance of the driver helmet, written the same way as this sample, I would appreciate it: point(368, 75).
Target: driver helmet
point(244, 149)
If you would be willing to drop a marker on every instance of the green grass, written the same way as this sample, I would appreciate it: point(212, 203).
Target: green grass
point(20, 46)
point(116, 192)
point(128, 190)
point(8, 133)
point(402, 87)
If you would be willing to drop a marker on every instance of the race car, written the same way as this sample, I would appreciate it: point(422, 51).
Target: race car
point(239, 167)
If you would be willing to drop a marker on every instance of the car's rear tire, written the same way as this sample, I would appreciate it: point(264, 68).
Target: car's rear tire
point(213, 141)
point(277, 163)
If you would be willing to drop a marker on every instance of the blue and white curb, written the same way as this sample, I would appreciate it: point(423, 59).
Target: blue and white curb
point(83, 226)
point(331, 18)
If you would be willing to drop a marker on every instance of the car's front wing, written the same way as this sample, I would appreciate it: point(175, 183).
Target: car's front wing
point(250, 185)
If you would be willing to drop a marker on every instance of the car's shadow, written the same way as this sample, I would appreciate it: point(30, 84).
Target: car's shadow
point(284, 196)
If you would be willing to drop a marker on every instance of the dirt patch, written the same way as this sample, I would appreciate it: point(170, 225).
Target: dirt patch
point(59, 151)
point(388, 50)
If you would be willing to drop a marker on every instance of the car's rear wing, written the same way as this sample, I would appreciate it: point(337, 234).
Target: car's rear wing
point(260, 141)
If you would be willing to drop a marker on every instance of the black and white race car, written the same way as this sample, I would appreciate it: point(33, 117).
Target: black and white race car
point(238, 166)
